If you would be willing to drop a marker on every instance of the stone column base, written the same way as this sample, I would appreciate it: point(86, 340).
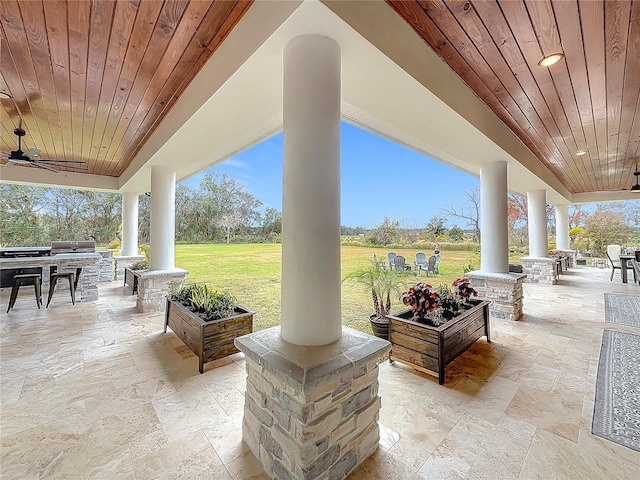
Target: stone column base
point(540, 270)
point(124, 262)
point(311, 412)
point(503, 290)
point(154, 285)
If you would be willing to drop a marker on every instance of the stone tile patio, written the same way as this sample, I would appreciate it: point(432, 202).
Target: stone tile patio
point(97, 390)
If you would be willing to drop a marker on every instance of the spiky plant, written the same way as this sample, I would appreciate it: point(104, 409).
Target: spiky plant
point(382, 284)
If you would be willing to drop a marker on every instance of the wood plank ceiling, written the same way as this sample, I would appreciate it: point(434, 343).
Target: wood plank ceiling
point(588, 101)
point(91, 80)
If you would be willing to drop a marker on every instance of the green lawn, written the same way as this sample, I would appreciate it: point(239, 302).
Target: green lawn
point(252, 274)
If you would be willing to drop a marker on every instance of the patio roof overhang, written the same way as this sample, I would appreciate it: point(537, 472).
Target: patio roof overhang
point(393, 85)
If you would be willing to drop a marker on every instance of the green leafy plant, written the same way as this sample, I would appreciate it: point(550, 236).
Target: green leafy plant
point(470, 267)
point(141, 265)
point(448, 299)
point(208, 304)
point(382, 283)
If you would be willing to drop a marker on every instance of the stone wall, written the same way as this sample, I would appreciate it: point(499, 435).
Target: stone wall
point(122, 262)
point(503, 290)
point(311, 412)
point(87, 289)
point(106, 265)
point(154, 285)
point(540, 270)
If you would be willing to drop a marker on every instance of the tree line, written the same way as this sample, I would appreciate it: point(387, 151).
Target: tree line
point(220, 210)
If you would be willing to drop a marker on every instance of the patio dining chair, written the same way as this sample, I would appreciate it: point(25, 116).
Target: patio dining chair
point(615, 265)
point(437, 265)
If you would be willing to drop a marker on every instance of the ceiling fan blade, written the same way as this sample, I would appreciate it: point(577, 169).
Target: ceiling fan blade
point(32, 152)
point(79, 169)
point(59, 161)
point(39, 166)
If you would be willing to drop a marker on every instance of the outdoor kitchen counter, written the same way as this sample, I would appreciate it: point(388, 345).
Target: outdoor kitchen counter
point(87, 290)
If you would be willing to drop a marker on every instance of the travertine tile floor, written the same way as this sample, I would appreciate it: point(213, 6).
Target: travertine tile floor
point(97, 390)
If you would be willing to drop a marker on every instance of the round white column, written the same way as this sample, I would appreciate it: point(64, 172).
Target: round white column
point(562, 227)
point(494, 241)
point(311, 303)
point(129, 245)
point(163, 218)
point(538, 241)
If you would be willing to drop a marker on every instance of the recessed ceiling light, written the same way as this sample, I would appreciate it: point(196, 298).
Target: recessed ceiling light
point(581, 152)
point(4, 95)
point(551, 59)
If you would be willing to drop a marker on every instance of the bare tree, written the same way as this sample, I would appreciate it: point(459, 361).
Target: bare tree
point(468, 210)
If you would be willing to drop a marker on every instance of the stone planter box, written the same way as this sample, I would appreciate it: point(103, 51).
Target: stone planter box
point(208, 340)
point(430, 349)
point(131, 278)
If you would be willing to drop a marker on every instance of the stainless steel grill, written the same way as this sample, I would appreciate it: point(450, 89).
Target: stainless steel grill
point(81, 246)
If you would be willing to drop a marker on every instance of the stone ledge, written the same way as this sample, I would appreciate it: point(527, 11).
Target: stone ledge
point(175, 272)
point(304, 367)
point(539, 259)
point(499, 277)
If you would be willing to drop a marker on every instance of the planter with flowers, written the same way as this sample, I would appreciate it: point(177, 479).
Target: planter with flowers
point(439, 325)
point(207, 321)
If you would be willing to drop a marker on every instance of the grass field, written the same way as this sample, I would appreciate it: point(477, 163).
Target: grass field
point(252, 274)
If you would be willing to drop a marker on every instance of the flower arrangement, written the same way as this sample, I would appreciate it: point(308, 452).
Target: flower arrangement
point(422, 299)
point(464, 290)
point(437, 306)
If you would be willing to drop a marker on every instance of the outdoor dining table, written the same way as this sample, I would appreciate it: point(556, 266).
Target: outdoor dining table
point(623, 266)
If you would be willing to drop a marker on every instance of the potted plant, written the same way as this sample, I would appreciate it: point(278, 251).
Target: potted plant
point(207, 321)
point(382, 284)
point(439, 325)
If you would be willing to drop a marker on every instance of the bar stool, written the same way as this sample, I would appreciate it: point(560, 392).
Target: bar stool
point(53, 279)
point(34, 279)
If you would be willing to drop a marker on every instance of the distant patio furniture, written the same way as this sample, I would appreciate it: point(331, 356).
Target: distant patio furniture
point(382, 263)
point(390, 257)
point(437, 265)
point(420, 262)
point(430, 267)
point(400, 264)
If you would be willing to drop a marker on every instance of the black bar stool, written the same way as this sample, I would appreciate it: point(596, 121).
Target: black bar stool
point(53, 279)
point(34, 279)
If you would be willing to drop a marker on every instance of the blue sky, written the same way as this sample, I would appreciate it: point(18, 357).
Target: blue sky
point(378, 178)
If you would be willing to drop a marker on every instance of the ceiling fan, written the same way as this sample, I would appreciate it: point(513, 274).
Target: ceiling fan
point(23, 159)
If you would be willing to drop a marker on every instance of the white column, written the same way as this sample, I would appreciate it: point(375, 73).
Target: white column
point(494, 241)
point(562, 227)
point(163, 218)
point(538, 241)
point(129, 246)
point(311, 304)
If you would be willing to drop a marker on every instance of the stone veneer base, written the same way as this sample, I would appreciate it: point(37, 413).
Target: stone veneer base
point(503, 290)
point(540, 270)
point(122, 262)
point(154, 285)
point(311, 412)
